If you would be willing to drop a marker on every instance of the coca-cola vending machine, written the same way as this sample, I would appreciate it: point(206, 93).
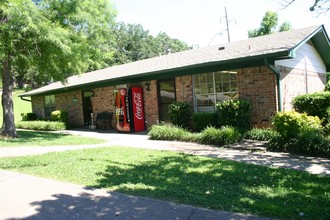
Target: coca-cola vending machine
point(129, 109)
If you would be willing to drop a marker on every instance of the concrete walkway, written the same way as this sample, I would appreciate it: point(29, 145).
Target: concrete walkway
point(238, 152)
point(27, 197)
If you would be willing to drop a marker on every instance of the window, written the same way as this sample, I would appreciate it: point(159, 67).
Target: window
point(210, 88)
point(49, 105)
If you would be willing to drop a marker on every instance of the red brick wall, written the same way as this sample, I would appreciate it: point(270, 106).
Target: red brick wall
point(38, 106)
point(151, 104)
point(258, 85)
point(184, 89)
point(63, 102)
point(66, 102)
point(103, 100)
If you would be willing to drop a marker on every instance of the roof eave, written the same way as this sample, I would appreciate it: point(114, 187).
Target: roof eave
point(242, 62)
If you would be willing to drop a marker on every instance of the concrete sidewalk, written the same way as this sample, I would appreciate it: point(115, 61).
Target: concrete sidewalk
point(237, 152)
point(27, 197)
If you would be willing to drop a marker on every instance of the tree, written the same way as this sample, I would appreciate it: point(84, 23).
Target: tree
point(268, 25)
point(133, 43)
point(54, 39)
point(319, 6)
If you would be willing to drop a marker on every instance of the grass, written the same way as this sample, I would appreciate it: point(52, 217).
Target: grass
point(34, 138)
point(20, 106)
point(200, 181)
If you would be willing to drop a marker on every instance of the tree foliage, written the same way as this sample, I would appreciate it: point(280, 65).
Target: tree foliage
point(52, 40)
point(133, 43)
point(268, 25)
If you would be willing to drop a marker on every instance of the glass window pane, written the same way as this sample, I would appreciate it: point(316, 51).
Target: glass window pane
point(210, 88)
point(202, 78)
point(218, 87)
point(210, 77)
point(225, 76)
point(226, 86)
point(233, 76)
point(233, 86)
point(217, 76)
point(204, 88)
point(197, 89)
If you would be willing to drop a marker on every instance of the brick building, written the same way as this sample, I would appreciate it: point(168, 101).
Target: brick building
point(269, 71)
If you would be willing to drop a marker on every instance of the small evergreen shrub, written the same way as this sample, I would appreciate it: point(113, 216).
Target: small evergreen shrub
point(180, 114)
point(236, 113)
point(259, 134)
point(291, 124)
point(41, 125)
point(316, 104)
point(201, 120)
point(170, 132)
point(29, 116)
point(225, 135)
point(60, 116)
point(307, 143)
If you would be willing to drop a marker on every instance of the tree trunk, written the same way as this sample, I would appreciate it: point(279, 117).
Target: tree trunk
point(8, 128)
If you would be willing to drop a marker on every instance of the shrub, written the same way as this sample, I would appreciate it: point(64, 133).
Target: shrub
point(170, 132)
point(60, 116)
point(180, 114)
point(201, 120)
point(236, 113)
point(316, 104)
point(41, 125)
point(225, 135)
point(29, 116)
point(260, 134)
point(307, 143)
point(291, 124)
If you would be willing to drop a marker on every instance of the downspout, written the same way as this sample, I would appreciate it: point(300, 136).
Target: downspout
point(271, 66)
point(28, 100)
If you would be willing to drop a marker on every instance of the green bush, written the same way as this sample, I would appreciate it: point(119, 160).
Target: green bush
point(201, 120)
point(236, 113)
point(61, 116)
point(29, 116)
point(307, 143)
point(41, 125)
point(291, 124)
point(260, 134)
point(225, 135)
point(170, 132)
point(316, 104)
point(180, 114)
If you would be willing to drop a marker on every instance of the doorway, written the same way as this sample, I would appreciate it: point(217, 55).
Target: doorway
point(166, 96)
point(87, 107)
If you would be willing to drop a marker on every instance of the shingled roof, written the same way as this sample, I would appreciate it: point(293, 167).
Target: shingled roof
point(250, 52)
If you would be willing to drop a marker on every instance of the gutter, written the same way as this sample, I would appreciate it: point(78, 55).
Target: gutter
point(24, 99)
point(271, 66)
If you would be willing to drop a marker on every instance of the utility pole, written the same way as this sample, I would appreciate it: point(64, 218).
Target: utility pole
point(227, 23)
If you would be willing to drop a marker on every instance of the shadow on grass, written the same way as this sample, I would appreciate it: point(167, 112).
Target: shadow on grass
point(34, 136)
point(223, 185)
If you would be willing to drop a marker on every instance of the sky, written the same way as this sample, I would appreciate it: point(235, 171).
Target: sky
point(202, 22)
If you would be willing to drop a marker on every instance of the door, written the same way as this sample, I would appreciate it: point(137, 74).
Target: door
point(166, 96)
point(87, 107)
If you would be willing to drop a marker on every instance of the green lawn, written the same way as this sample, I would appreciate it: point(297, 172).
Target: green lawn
point(200, 181)
point(35, 138)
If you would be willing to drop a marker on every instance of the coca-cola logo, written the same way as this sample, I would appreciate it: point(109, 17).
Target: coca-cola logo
point(137, 98)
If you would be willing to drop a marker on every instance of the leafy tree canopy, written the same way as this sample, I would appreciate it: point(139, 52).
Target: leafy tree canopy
point(133, 43)
point(268, 25)
point(54, 39)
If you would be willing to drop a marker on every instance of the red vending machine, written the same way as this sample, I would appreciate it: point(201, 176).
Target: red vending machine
point(138, 109)
point(129, 109)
